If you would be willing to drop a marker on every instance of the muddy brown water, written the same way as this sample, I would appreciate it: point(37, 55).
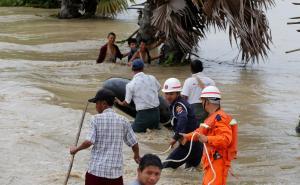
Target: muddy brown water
point(48, 71)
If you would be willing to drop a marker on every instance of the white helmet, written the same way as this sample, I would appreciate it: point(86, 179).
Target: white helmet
point(211, 92)
point(172, 85)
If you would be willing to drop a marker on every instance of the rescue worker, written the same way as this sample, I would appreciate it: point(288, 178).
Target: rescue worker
point(183, 121)
point(219, 135)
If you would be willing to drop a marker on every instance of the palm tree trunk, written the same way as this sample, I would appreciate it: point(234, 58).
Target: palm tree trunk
point(71, 8)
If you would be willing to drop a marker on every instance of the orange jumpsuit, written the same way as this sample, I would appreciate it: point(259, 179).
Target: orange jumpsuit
point(219, 135)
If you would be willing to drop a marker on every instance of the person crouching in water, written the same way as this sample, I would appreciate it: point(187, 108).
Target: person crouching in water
point(219, 134)
point(143, 90)
point(183, 121)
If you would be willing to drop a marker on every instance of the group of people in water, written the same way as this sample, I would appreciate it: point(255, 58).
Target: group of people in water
point(197, 121)
point(110, 52)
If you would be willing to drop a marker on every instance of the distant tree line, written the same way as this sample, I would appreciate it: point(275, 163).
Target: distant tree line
point(32, 3)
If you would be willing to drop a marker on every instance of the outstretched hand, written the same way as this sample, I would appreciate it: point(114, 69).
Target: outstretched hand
point(137, 158)
point(73, 150)
point(172, 142)
point(118, 101)
point(202, 138)
point(183, 140)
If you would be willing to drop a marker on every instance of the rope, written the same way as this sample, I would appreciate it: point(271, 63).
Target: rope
point(190, 149)
point(212, 168)
point(162, 153)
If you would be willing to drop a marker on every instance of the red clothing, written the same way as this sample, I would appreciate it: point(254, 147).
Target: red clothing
point(219, 135)
point(94, 180)
point(103, 50)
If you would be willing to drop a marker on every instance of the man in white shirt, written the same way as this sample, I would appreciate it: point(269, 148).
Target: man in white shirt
point(192, 89)
point(143, 90)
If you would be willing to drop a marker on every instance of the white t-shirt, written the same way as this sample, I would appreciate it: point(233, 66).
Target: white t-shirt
point(143, 90)
point(192, 90)
point(135, 182)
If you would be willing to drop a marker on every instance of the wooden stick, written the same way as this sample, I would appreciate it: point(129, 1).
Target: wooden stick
point(141, 4)
point(292, 50)
point(293, 23)
point(76, 142)
point(121, 41)
point(295, 18)
point(134, 8)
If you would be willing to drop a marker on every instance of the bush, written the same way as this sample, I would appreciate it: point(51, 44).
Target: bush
point(32, 3)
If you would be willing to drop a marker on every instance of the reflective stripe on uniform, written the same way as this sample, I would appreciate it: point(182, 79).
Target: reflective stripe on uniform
point(233, 122)
point(204, 125)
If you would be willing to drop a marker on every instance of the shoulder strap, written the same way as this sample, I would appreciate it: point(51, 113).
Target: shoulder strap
point(200, 82)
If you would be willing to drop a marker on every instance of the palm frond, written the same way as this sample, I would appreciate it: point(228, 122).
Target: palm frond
point(181, 21)
point(110, 8)
point(246, 22)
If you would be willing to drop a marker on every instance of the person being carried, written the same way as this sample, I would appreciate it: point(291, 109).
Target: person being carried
point(219, 134)
point(149, 170)
point(183, 121)
point(108, 131)
point(192, 88)
point(144, 52)
point(132, 43)
point(110, 52)
point(143, 90)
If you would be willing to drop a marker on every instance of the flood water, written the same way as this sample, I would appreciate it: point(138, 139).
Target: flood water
point(48, 71)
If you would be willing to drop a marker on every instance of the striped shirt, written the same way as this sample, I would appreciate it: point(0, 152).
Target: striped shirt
point(107, 132)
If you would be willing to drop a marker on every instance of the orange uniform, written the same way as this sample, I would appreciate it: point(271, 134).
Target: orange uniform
point(218, 130)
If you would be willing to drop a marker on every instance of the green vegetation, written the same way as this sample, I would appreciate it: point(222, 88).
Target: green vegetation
point(31, 3)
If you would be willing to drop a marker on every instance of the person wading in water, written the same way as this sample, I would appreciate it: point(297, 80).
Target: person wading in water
point(143, 90)
point(110, 52)
point(108, 131)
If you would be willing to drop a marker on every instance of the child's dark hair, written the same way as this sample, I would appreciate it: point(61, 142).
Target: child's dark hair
point(143, 40)
point(196, 66)
point(132, 40)
point(150, 160)
point(111, 33)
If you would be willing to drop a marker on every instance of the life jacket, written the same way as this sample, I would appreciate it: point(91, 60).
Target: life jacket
point(233, 146)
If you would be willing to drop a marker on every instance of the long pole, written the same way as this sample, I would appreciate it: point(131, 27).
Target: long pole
point(292, 50)
point(76, 142)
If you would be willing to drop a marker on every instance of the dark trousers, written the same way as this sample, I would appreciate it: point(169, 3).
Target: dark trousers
point(94, 180)
point(181, 151)
point(200, 113)
point(144, 119)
